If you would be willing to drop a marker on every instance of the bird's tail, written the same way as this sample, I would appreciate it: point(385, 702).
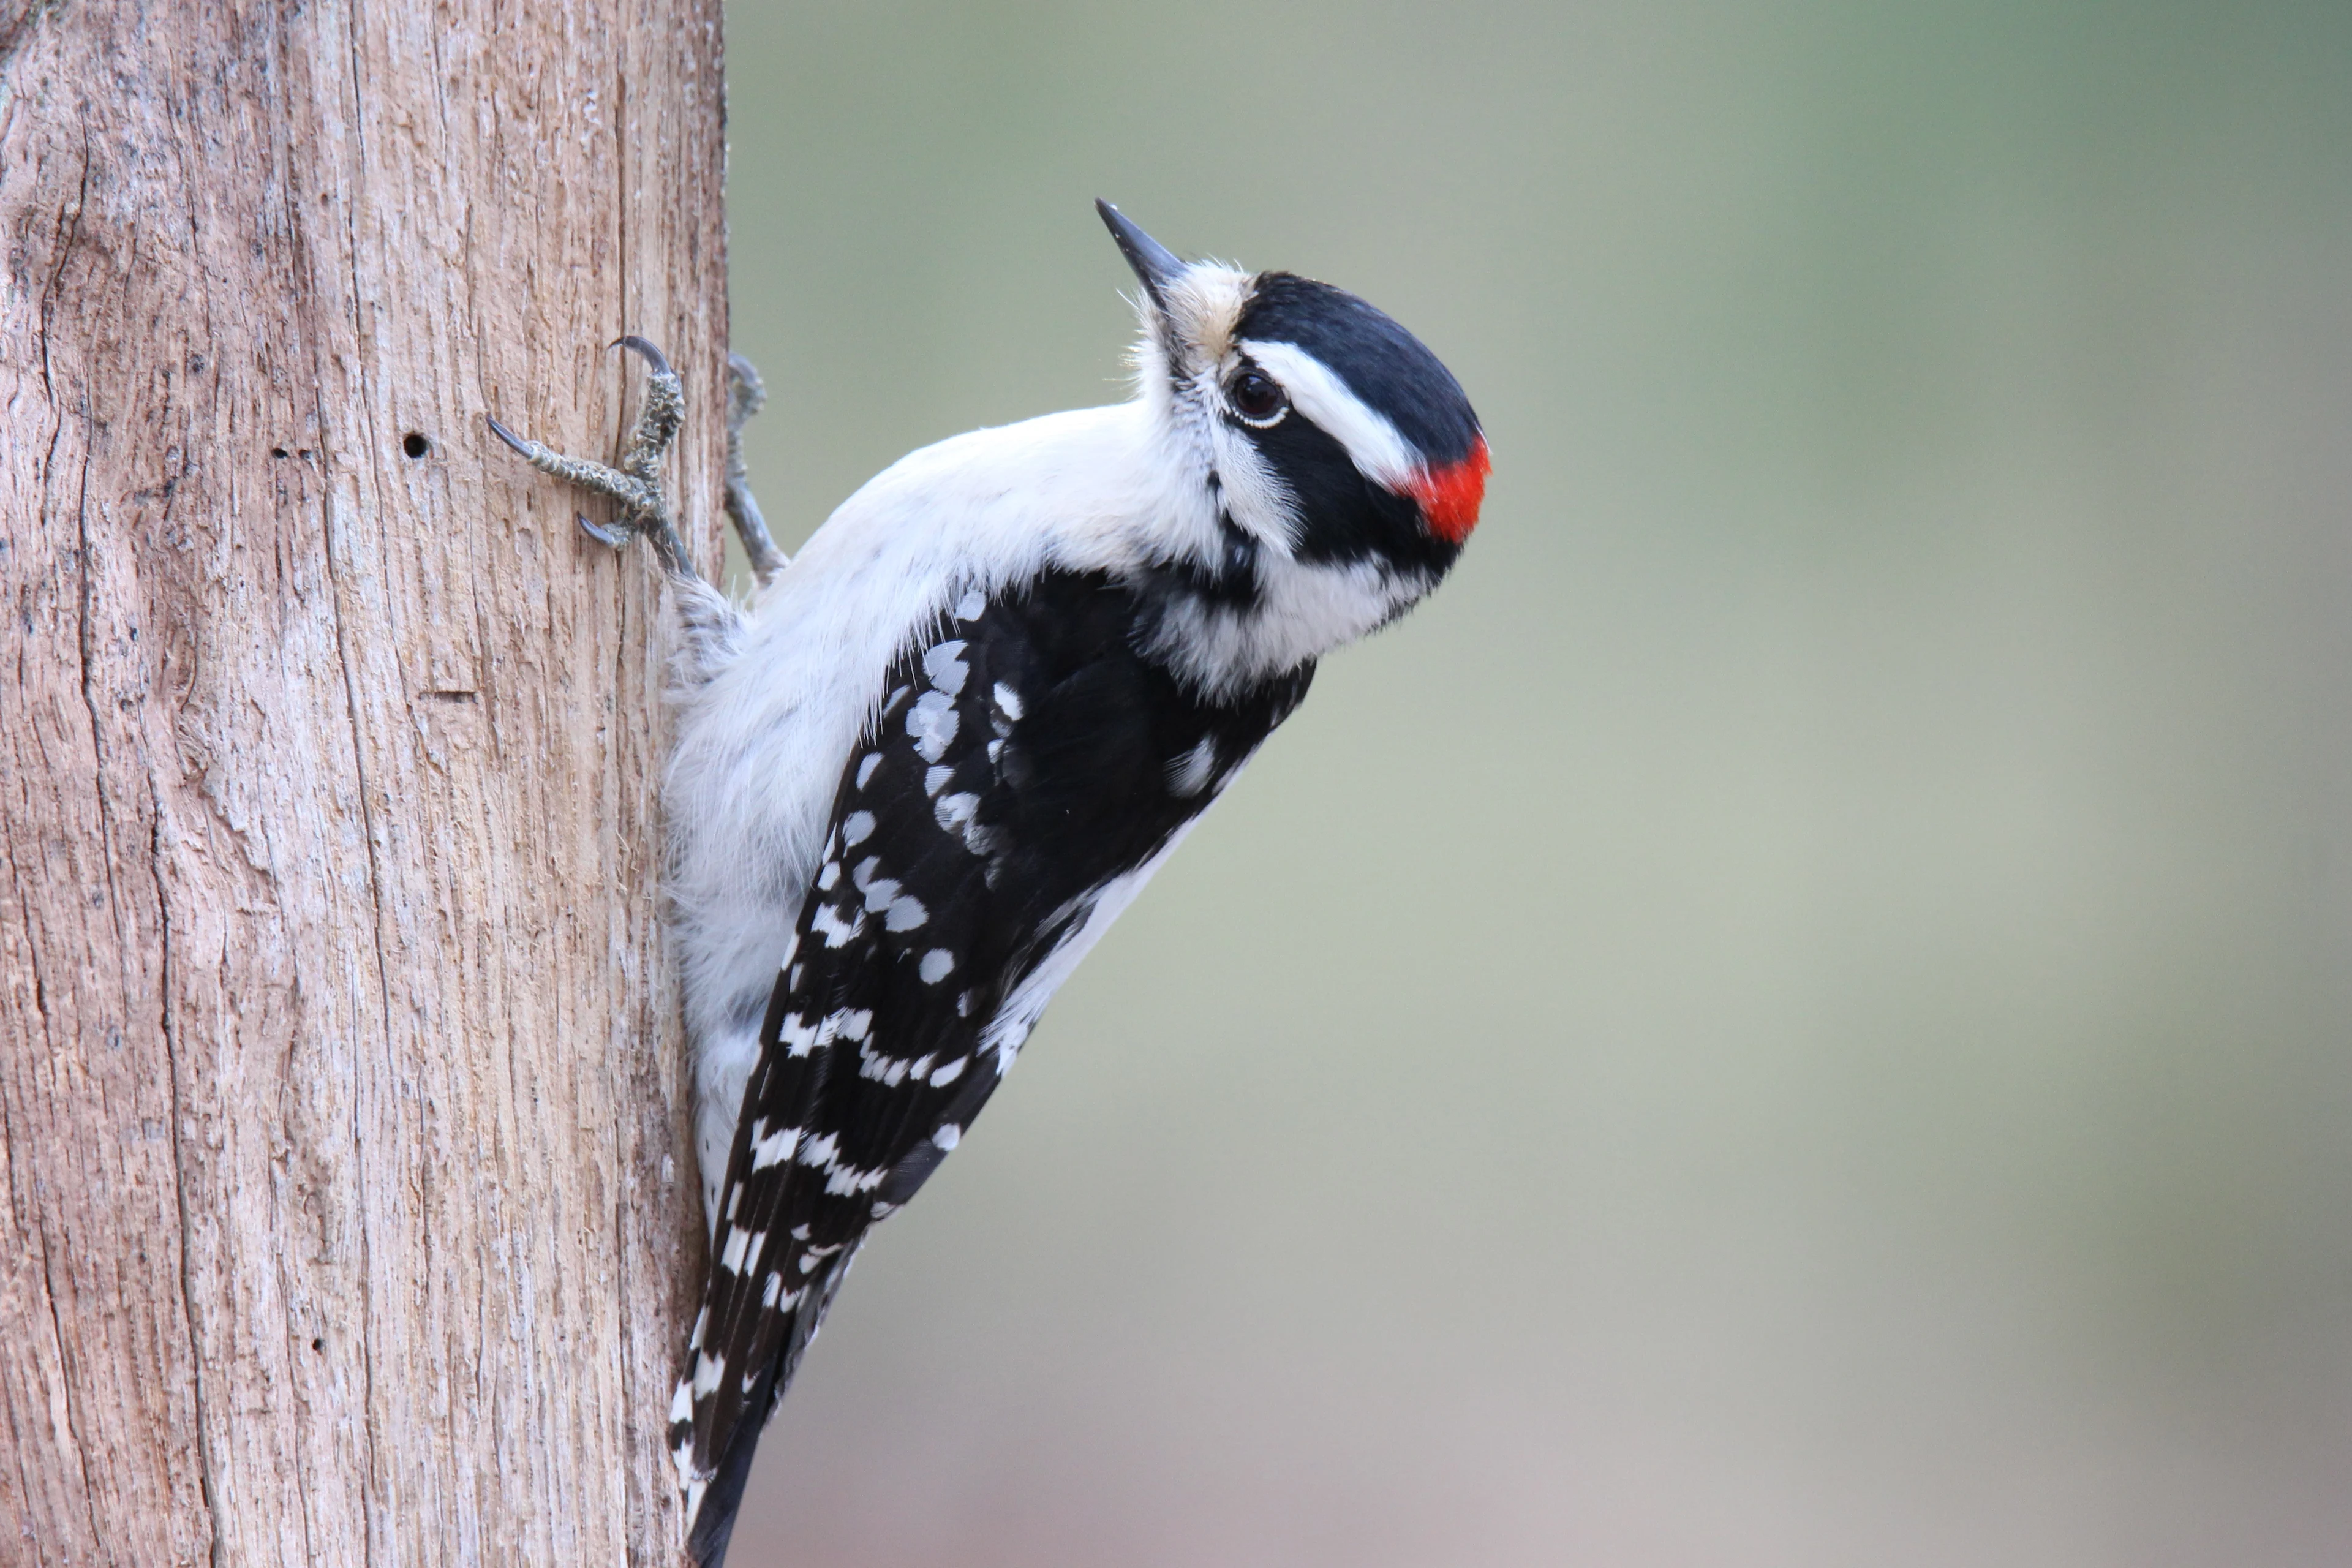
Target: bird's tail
point(721, 1498)
point(714, 1495)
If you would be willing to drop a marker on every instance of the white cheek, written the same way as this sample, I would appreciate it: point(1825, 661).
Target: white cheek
point(1260, 504)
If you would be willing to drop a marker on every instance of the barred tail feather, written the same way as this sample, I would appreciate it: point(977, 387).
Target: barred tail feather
point(714, 1495)
point(713, 1501)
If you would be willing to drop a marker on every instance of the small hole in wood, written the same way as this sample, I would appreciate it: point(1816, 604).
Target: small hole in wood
point(414, 445)
point(276, 451)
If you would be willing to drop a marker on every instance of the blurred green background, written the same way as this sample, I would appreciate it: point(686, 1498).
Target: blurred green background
point(1797, 1012)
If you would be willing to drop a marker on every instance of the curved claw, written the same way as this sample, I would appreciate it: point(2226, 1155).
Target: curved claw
point(654, 359)
point(614, 537)
point(508, 436)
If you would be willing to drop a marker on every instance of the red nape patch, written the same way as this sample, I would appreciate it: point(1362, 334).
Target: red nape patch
point(1449, 497)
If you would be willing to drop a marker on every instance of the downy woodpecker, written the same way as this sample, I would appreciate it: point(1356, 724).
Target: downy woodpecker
point(942, 749)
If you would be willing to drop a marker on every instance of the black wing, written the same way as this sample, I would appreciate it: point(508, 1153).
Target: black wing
point(1024, 759)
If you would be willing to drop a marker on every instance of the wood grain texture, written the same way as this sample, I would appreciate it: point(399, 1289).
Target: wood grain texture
point(346, 1214)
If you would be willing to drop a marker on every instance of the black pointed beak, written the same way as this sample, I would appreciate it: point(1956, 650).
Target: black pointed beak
point(1155, 265)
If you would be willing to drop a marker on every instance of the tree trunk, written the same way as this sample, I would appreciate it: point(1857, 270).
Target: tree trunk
point(348, 1216)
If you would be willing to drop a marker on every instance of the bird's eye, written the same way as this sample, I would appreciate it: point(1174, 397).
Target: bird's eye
point(1257, 397)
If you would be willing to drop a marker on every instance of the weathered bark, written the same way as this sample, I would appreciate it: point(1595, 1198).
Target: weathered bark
point(345, 1217)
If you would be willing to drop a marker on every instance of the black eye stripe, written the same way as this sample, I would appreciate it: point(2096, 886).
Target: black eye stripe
point(1344, 516)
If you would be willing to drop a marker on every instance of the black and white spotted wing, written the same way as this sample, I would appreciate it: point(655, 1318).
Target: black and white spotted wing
point(1024, 760)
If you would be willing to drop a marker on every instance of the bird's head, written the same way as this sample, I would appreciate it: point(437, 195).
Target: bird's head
point(1337, 446)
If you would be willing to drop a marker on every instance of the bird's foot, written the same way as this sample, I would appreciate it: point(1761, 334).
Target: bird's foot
point(745, 397)
point(636, 483)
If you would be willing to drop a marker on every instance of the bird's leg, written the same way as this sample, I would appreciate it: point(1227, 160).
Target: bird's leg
point(745, 397)
point(712, 631)
point(636, 484)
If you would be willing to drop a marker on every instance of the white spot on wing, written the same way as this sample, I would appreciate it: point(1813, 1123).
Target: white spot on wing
point(848, 1181)
point(777, 1147)
point(798, 1035)
point(972, 607)
point(937, 965)
point(857, 828)
point(1188, 775)
point(931, 724)
point(945, 667)
point(906, 915)
point(882, 1069)
point(947, 1073)
point(1008, 700)
point(865, 769)
point(828, 924)
point(947, 1135)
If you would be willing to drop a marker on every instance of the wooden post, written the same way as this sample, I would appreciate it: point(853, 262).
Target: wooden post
point(346, 1207)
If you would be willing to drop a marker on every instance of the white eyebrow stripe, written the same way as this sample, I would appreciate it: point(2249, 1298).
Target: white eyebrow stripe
point(1381, 454)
